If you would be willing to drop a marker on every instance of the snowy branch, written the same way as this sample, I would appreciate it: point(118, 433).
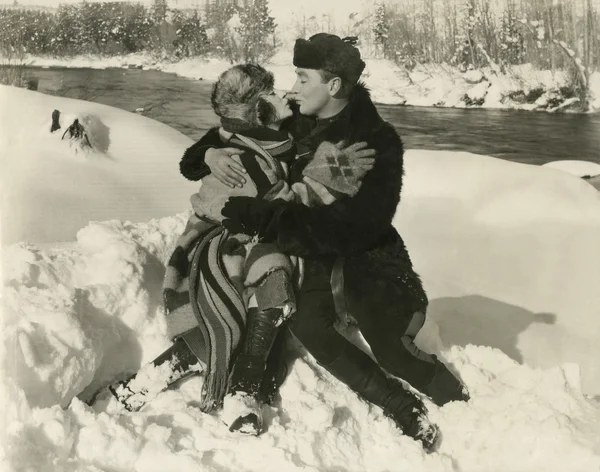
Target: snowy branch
point(495, 67)
point(575, 60)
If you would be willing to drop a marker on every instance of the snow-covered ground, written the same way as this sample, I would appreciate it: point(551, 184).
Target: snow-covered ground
point(585, 169)
point(578, 168)
point(426, 85)
point(509, 254)
point(53, 178)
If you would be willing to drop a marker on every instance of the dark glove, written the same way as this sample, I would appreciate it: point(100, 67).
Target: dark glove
point(252, 216)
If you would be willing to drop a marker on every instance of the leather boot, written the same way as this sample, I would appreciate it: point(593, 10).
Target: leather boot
point(175, 364)
point(242, 403)
point(445, 386)
point(363, 375)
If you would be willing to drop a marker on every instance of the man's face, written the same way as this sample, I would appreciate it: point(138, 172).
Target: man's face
point(310, 92)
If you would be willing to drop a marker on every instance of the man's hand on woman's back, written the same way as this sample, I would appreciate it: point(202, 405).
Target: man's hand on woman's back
point(224, 167)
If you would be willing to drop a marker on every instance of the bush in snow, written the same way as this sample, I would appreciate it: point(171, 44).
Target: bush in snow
point(105, 28)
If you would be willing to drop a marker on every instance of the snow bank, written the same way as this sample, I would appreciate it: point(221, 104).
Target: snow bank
point(522, 87)
point(520, 418)
point(74, 315)
point(131, 174)
point(509, 255)
point(576, 168)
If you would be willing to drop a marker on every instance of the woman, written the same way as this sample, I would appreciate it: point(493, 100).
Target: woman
point(225, 295)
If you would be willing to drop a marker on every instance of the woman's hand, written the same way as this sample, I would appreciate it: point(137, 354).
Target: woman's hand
point(224, 167)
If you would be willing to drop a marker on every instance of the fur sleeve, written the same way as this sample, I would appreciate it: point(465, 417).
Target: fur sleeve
point(192, 165)
point(351, 224)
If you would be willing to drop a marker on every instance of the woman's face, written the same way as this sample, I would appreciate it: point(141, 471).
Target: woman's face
point(280, 105)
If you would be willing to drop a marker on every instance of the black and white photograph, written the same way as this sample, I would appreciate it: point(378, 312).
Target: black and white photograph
point(300, 236)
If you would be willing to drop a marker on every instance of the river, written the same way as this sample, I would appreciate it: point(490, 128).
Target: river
point(184, 104)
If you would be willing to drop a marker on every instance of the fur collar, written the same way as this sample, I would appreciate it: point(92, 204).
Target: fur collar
point(358, 119)
point(360, 115)
point(361, 106)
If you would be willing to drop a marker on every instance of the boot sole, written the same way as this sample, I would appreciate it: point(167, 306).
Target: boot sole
point(248, 425)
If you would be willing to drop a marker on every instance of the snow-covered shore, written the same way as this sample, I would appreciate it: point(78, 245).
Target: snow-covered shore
point(508, 253)
point(522, 87)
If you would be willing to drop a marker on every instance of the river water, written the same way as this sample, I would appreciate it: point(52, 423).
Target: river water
point(184, 104)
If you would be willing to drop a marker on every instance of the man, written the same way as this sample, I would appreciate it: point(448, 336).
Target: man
point(355, 259)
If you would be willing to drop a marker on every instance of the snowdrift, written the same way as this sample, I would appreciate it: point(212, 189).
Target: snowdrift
point(582, 169)
point(508, 252)
point(51, 187)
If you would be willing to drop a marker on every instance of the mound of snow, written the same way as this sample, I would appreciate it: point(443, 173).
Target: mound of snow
point(74, 316)
point(509, 254)
point(519, 418)
point(576, 168)
point(51, 187)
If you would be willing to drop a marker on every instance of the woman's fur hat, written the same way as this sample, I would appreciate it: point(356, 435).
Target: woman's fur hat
point(236, 95)
point(330, 53)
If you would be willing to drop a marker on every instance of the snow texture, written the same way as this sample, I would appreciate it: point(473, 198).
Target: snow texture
point(576, 168)
point(508, 253)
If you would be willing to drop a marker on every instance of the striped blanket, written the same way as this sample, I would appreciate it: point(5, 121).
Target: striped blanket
point(202, 306)
point(203, 303)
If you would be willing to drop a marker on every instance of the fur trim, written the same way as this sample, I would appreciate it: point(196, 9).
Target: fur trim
point(237, 92)
point(330, 53)
point(359, 227)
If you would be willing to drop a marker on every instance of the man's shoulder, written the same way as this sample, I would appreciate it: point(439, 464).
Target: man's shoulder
point(387, 130)
point(377, 130)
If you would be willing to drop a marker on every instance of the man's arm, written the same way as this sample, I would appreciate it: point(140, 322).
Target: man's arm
point(347, 226)
point(192, 165)
point(204, 158)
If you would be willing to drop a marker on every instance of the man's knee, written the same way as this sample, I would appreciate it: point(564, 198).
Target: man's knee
point(313, 326)
point(396, 350)
point(309, 328)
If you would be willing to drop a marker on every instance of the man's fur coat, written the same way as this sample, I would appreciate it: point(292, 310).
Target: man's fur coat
point(378, 273)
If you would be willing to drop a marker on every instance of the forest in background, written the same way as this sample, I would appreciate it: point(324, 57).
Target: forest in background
point(468, 34)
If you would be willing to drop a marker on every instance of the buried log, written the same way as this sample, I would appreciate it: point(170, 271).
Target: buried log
point(55, 121)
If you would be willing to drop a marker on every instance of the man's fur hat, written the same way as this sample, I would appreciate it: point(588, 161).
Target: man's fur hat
point(237, 94)
point(330, 53)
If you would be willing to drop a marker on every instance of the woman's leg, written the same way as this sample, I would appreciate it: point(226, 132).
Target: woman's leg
point(176, 363)
point(242, 404)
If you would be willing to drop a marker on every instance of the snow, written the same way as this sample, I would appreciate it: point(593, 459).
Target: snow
point(474, 76)
point(118, 179)
point(508, 253)
point(576, 168)
point(426, 85)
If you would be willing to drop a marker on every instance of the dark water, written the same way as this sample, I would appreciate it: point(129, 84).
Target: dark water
point(184, 104)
